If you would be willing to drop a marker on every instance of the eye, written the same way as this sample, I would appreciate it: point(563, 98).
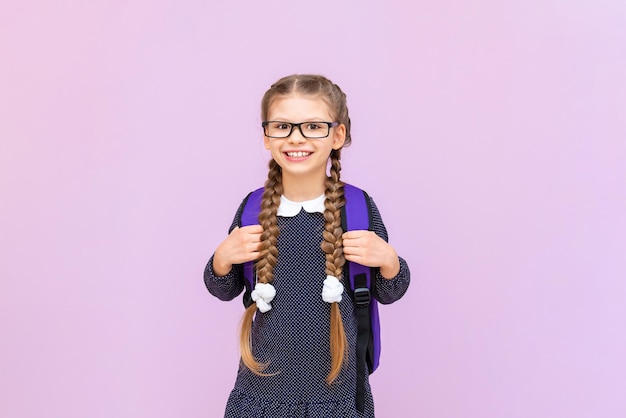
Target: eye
point(281, 125)
point(313, 126)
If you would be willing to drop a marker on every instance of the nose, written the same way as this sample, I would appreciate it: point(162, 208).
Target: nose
point(296, 136)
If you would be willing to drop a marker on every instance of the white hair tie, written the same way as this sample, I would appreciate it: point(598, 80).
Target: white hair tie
point(263, 294)
point(333, 289)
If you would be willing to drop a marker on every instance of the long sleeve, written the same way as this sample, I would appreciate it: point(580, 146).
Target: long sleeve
point(231, 285)
point(388, 290)
point(224, 287)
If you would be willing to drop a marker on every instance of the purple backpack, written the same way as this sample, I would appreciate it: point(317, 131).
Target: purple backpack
point(355, 215)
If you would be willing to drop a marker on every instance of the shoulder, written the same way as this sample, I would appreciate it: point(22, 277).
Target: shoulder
point(253, 193)
point(356, 193)
point(248, 209)
point(363, 200)
point(352, 191)
point(352, 186)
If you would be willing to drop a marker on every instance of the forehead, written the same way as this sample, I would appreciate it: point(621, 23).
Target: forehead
point(295, 108)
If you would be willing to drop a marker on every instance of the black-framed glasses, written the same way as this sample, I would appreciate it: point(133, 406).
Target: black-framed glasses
point(311, 130)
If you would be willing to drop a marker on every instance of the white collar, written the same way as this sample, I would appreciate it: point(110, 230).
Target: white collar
point(287, 208)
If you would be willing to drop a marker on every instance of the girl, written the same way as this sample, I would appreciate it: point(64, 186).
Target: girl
point(298, 339)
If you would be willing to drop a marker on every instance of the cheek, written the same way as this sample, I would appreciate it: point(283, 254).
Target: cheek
point(274, 152)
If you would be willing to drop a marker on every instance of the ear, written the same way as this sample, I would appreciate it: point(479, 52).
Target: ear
point(266, 142)
point(339, 137)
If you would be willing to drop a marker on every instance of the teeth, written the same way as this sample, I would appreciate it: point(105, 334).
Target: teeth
point(298, 154)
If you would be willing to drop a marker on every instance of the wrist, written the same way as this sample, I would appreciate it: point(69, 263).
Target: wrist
point(391, 269)
point(220, 268)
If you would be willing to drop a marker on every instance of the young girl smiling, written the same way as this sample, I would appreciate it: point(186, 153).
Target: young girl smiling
point(298, 337)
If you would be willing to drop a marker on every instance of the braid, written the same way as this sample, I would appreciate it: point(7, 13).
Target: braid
point(333, 248)
point(332, 244)
point(267, 218)
point(266, 262)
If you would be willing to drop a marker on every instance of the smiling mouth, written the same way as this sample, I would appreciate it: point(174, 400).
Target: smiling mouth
point(298, 154)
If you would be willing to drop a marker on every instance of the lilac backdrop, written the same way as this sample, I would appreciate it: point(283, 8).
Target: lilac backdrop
point(490, 133)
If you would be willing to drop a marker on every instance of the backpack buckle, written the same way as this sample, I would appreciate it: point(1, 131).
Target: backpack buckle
point(362, 297)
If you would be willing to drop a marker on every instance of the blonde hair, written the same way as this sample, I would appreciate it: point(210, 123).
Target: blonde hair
point(332, 245)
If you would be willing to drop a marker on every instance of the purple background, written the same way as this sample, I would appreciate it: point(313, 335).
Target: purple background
point(490, 133)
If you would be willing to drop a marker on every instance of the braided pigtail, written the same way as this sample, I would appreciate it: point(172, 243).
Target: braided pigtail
point(332, 245)
point(266, 262)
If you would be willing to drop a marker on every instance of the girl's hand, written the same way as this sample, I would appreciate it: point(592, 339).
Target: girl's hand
point(241, 245)
point(368, 249)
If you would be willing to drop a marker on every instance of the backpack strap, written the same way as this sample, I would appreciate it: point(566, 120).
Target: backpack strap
point(357, 215)
point(250, 216)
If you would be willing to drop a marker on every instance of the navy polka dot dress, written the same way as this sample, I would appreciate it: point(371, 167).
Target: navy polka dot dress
point(293, 337)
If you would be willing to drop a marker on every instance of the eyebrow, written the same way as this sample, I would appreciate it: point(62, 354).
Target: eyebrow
point(282, 119)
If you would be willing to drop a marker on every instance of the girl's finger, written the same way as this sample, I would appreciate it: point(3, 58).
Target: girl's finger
point(351, 250)
point(347, 242)
point(253, 229)
point(352, 234)
point(254, 238)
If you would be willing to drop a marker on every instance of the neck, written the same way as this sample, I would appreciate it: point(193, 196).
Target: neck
point(301, 188)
